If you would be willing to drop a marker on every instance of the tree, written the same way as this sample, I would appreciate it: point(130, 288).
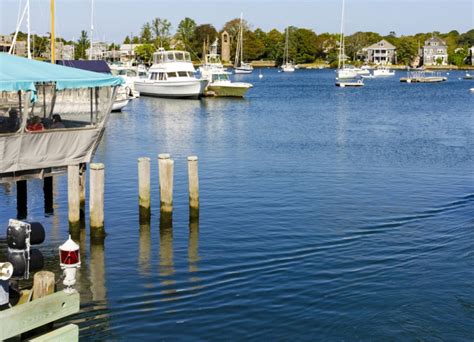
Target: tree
point(144, 53)
point(202, 33)
point(82, 45)
point(127, 40)
point(161, 29)
point(185, 32)
point(274, 45)
point(145, 35)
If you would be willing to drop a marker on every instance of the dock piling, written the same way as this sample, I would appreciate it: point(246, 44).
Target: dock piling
point(21, 199)
point(144, 202)
point(82, 190)
point(73, 195)
point(96, 200)
point(43, 284)
point(193, 179)
point(165, 169)
point(48, 195)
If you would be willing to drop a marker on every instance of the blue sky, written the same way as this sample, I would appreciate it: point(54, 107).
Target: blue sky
point(116, 18)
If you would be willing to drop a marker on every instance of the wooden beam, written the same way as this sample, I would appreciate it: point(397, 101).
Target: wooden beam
point(25, 317)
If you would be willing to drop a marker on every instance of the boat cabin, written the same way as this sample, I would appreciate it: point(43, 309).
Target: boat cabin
point(51, 116)
point(163, 56)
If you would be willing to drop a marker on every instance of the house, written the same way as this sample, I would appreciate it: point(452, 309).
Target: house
point(63, 51)
point(98, 51)
point(471, 55)
point(380, 53)
point(127, 52)
point(20, 48)
point(434, 52)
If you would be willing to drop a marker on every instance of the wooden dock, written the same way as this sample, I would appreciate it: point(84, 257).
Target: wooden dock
point(424, 79)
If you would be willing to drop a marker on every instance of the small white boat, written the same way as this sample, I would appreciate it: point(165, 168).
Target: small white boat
point(471, 90)
point(362, 71)
point(468, 76)
point(343, 72)
point(219, 82)
point(382, 72)
point(343, 84)
point(368, 76)
point(287, 66)
point(122, 99)
point(171, 75)
point(240, 67)
point(129, 75)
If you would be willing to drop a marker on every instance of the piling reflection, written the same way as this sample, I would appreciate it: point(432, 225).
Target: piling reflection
point(193, 245)
point(166, 270)
point(97, 269)
point(144, 252)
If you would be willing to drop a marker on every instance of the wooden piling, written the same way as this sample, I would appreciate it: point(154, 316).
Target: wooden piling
point(43, 284)
point(165, 169)
point(82, 190)
point(73, 195)
point(48, 195)
point(96, 197)
point(144, 202)
point(21, 199)
point(193, 181)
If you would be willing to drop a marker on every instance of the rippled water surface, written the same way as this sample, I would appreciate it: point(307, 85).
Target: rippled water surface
point(326, 214)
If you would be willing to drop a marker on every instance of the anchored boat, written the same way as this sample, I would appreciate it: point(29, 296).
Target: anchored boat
point(171, 75)
point(51, 116)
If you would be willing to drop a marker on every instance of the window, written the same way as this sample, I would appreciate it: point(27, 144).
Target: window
point(170, 57)
point(225, 38)
point(172, 74)
point(190, 74)
point(440, 51)
point(187, 56)
point(153, 76)
point(179, 56)
point(182, 74)
point(162, 76)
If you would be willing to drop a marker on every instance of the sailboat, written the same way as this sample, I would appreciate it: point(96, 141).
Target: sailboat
point(343, 72)
point(240, 67)
point(287, 65)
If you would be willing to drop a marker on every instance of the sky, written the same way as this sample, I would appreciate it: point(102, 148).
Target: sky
point(114, 19)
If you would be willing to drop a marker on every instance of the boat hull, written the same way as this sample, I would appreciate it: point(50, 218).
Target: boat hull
point(185, 89)
point(117, 106)
point(242, 71)
point(232, 90)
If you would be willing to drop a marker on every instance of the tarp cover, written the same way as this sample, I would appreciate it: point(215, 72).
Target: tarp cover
point(18, 73)
point(96, 66)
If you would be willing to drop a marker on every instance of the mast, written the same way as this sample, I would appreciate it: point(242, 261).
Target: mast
point(53, 37)
point(285, 59)
point(241, 39)
point(92, 29)
point(341, 43)
point(28, 29)
point(238, 49)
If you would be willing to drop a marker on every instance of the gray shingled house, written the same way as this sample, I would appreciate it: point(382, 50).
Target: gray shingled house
point(380, 53)
point(434, 52)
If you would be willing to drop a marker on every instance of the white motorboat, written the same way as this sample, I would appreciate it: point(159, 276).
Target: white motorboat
point(129, 75)
point(287, 65)
point(362, 71)
point(240, 67)
point(171, 75)
point(344, 72)
point(219, 82)
point(122, 99)
point(383, 71)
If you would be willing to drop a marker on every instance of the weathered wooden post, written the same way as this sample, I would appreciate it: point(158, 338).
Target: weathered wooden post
point(144, 189)
point(73, 196)
point(165, 169)
point(48, 195)
point(43, 284)
point(193, 180)
point(21, 199)
point(82, 190)
point(96, 198)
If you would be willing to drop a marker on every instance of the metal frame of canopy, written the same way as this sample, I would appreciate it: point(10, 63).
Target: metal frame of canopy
point(37, 154)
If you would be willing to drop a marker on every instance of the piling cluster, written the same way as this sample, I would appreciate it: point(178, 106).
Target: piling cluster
point(76, 191)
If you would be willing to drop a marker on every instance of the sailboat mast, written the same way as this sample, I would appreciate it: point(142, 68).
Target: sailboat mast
point(28, 29)
point(53, 36)
point(287, 45)
point(341, 43)
point(241, 39)
point(92, 29)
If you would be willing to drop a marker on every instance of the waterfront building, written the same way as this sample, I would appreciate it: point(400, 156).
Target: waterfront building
point(434, 52)
point(471, 55)
point(98, 51)
point(63, 51)
point(225, 47)
point(20, 46)
point(127, 52)
point(380, 53)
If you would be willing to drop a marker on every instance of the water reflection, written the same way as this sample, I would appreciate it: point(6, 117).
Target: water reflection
point(144, 252)
point(97, 270)
point(166, 270)
point(193, 247)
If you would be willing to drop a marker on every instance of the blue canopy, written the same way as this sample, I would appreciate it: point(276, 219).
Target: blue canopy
point(18, 73)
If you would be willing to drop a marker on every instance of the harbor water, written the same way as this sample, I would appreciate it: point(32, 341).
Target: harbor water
point(326, 214)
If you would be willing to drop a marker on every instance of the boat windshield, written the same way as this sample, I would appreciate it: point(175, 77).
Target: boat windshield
point(220, 77)
point(171, 56)
point(214, 59)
